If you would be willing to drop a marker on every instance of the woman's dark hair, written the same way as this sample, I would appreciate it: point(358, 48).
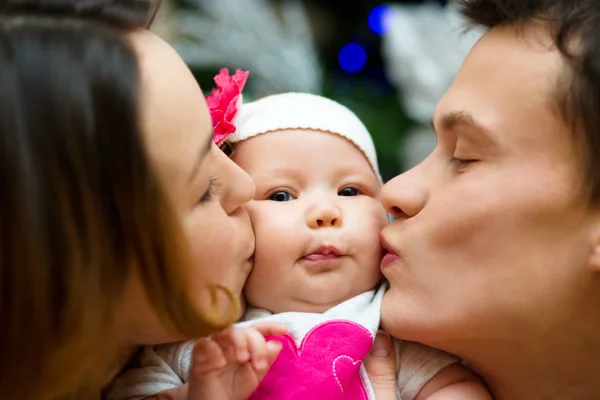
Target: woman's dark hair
point(81, 209)
point(574, 26)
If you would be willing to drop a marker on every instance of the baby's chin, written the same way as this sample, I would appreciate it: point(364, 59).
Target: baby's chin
point(308, 304)
point(333, 298)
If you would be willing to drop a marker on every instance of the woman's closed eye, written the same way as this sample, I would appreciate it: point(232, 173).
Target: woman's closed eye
point(210, 191)
point(281, 196)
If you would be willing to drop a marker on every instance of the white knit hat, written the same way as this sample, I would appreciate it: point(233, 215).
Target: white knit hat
point(303, 111)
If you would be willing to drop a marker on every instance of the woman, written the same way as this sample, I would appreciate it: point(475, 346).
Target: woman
point(495, 253)
point(111, 194)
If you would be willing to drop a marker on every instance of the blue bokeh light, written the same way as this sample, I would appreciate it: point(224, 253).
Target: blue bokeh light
point(376, 19)
point(352, 57)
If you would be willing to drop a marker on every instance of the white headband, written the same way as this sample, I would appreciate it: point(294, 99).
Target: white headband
point(303, 111)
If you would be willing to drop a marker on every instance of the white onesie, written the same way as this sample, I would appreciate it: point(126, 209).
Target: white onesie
point(321, 357)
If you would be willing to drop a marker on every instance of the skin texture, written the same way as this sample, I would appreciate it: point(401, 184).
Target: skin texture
point(324, 201)
point(305, 199)
point(178, 133)
point(496, 249)
point(298, 169)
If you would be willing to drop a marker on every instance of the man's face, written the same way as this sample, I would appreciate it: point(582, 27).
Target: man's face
point(495, 237)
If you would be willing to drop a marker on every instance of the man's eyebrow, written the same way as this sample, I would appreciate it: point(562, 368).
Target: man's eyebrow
point(203, 151)
point(463, 119)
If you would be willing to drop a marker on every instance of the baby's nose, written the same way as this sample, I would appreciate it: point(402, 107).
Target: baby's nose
point(325, 217)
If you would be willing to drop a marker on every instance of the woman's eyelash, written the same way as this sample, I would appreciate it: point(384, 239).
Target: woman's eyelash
point(210, 190)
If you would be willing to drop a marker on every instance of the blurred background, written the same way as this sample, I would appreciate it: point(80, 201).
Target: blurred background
point(388, 62)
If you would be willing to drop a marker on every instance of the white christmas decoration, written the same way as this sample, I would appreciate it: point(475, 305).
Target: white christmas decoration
point(423, 48)
point(277, 48)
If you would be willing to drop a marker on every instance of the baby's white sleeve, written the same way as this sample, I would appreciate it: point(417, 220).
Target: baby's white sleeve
point(416, 364)
point(158, 368)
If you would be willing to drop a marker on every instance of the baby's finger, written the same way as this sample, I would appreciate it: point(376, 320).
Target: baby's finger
point(234, 344)
point(207, 355)
point(258, 349)
point(270, 328)
point(273, 347)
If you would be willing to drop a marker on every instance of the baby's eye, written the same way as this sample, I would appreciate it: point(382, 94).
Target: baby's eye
point(348, 192)
point(281, 196)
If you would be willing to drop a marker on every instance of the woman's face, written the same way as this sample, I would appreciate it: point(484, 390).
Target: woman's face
point(493, 237)
point(205, 186)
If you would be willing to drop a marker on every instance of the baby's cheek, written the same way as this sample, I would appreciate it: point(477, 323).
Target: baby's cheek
point(253, 210)
point(259, 286)
point(250, 288)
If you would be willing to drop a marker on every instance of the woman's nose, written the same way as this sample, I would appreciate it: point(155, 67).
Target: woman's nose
point(406, 194)
point(238, 188)
point(324, 216)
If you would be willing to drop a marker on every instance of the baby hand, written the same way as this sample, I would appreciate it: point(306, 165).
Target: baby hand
point(230, 364)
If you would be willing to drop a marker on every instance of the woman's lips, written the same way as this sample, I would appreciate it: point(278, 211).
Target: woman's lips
point(249, 264)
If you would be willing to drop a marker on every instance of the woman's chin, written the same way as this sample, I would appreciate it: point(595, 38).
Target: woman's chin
point(243, 307)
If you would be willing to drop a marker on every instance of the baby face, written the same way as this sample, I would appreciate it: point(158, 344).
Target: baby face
point(316, 217)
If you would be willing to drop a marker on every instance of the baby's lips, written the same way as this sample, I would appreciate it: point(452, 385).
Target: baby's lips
point(321, 256)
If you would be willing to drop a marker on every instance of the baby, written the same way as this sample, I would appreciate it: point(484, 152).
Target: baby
point(317, 218)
